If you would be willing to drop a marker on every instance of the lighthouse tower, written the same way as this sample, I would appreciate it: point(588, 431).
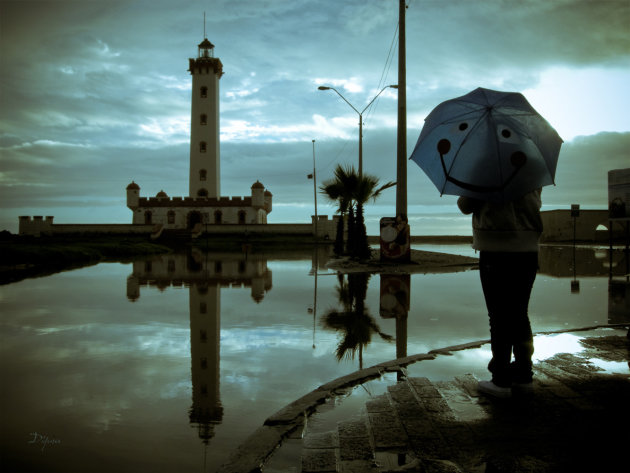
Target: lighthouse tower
point(205, 175)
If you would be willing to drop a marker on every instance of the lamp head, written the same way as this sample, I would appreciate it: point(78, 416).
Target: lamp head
point(323, 87)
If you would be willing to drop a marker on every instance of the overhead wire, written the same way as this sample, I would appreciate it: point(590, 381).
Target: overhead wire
point(386, 68)
point(393, 47)
point(384, 74)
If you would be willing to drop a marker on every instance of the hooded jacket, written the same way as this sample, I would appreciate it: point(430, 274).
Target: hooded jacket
point(505, 227)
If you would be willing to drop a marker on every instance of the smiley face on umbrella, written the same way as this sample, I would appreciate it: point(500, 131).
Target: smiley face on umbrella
point(487, 145)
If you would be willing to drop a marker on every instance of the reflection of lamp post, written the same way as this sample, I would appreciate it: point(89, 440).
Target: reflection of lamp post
point(323, 87)
point(313, 271)
point(315, 189)
point(575, 284)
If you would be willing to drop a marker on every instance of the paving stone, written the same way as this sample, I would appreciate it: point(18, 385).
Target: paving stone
point(390, 462)
point(358, 466)
point(387, 431)
point(438, 407)
point(431, 446)
point(354, 441)
point(379, 403)
point(555, 386)
point(420, 381)
point(355, 448)
point(469, 383)
point(462, 405)
point(427, 392)
point(352, 428)
point(403, 397)
point(252, 454)
point(551, 371)
point(319, 460)
point(418, 426)
point(322, 440)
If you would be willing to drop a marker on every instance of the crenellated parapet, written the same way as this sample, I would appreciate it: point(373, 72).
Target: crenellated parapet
point(36, 225)
point(145, 202)
point(205, 65)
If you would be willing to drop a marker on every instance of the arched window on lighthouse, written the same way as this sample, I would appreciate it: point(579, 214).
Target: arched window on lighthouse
point(203, 174)
point(170, 216)
point(202, 193)
point(202, 147)
point(203, 119)
point(241, 217)
point(148, 217)
point(218, 216)
point(203, 92)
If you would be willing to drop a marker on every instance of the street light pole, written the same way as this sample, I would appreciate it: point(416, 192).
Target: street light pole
point(315, 193)
point(323, 87)
point(401, 152)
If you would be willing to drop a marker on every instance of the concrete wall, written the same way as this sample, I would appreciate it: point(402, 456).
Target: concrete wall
point(39, 226)
point(326, 228)
point(558, 225)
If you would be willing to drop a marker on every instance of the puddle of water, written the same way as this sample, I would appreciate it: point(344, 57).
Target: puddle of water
point(187, 354)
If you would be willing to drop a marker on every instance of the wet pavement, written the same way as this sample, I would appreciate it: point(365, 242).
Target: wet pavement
point(575, 420)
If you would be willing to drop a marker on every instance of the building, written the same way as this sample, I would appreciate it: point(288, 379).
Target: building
point(204, 204)
point(203, 209)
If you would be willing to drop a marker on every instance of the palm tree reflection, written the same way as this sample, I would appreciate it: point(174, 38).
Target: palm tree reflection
point(353, 319)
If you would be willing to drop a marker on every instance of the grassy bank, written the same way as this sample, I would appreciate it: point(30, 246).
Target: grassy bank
point(23, 257)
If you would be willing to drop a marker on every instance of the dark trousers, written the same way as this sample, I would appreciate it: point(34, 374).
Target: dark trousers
point(507, 279)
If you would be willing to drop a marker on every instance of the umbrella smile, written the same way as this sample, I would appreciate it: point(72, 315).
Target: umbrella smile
point(517, 159)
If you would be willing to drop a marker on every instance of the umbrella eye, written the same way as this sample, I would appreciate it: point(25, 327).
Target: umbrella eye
point(443, 146)
point(518, 159)
point(463, 126)
point(506, 133)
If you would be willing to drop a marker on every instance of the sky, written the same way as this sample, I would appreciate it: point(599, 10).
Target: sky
point(96, 93)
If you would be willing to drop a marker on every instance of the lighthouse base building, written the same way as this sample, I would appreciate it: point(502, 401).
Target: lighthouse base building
point(204, 204)
point(176, 213)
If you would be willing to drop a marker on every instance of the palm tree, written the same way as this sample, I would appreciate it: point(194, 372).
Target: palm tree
point(339, 189)
point(351, 192)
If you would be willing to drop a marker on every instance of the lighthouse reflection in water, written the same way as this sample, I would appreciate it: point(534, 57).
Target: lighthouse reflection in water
point(204, 274)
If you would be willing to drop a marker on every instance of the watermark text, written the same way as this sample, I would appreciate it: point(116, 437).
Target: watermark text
point(37, 439)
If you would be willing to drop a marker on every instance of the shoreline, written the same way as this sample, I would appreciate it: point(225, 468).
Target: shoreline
point(24, 257)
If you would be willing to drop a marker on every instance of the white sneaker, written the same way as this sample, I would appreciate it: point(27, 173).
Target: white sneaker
point(488, 387)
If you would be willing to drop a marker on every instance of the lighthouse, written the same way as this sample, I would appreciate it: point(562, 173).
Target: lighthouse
point(204, 204)
point(205, 172)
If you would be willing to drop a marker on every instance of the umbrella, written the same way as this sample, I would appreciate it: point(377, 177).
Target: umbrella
point(488, 145)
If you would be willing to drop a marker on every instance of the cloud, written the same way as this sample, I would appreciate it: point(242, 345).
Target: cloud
point(96, 94)
point(582, 172)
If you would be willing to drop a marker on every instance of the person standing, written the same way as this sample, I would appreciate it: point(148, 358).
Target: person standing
point(506, 235)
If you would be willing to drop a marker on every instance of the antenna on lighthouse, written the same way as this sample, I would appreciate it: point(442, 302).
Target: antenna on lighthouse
point(204, 25)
